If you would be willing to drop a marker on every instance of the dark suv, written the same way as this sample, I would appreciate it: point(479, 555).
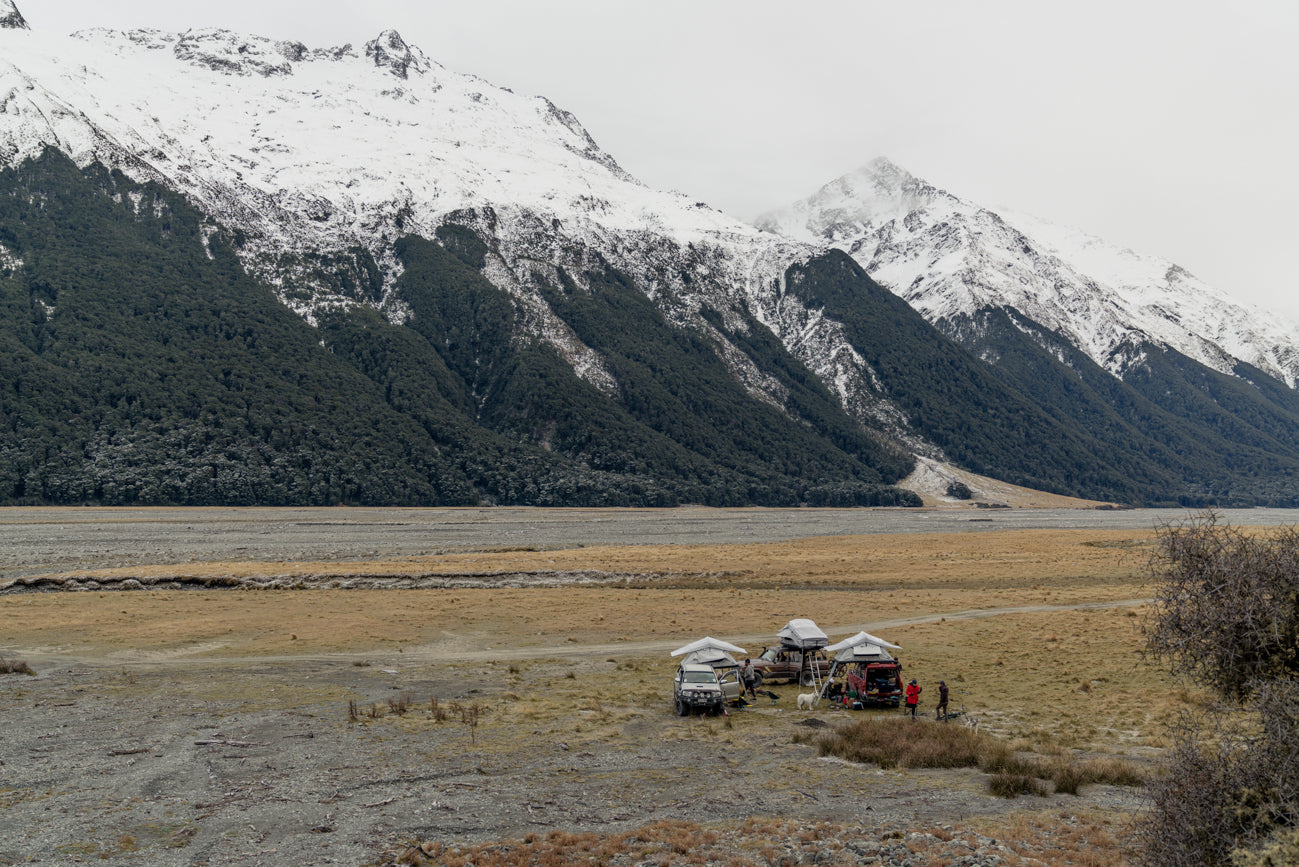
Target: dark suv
point(783, 662)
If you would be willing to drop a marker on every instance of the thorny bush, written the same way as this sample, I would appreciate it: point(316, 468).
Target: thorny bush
point(1227, 617)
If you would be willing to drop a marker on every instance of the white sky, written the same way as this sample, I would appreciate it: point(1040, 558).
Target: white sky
point(1168, 127)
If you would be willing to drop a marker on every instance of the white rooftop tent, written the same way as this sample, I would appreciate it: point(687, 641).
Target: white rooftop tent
point(708, 643)
point(711, 656)
point(862, 653)
point(802, 634)
point(861, 638)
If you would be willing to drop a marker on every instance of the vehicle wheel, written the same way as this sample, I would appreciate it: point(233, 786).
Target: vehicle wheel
point(681, 708)
point(806, 678)
point(757, 679)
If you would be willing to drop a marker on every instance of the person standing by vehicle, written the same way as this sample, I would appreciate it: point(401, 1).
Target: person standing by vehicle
point(940, 712)
point(749, 679)
point(913, 697)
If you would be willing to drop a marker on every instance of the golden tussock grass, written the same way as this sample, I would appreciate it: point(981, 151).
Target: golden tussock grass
point(1066, 678)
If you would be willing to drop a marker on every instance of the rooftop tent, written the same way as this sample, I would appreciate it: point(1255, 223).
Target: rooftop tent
point(861, 638)
point(708, 643)
point(862, 653)
point(711, 656)
point(803, 634)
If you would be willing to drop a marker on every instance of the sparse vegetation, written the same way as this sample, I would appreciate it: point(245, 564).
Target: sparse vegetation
point(8, 666)
point(621, 696)
point(905, 743)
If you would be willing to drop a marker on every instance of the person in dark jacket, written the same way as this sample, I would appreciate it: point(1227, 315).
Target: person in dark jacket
point(940, 712)
point(913, 697)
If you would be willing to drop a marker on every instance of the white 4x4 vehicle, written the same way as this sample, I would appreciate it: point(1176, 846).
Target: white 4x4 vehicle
point(696, 690)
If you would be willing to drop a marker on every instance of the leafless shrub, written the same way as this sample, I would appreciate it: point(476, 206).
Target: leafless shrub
point(436, 709)
point(15, 667)
point(353, 714)
point(1226, 615)
point(469, 717)
point(1227, 610)
point(1227, 788)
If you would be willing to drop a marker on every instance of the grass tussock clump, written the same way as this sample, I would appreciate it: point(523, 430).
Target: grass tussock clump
point(15, 667)
point(907, 744)
point(904, 743)
point(1014, 785)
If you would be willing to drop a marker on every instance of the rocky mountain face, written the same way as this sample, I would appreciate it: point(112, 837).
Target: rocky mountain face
point(10, 17)
point(951, 260)
point(234, 269)
point(1131, 347)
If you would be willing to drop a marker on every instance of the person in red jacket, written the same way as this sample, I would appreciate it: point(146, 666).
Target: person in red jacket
point(913, 697)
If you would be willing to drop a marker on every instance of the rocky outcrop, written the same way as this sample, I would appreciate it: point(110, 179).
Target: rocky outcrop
point(10, 17)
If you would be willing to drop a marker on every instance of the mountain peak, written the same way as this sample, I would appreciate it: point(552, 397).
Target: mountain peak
point(391, 51)
point(877, 192)
point(10, 17)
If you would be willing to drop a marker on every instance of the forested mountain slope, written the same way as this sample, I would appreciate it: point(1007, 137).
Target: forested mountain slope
point(235, 270)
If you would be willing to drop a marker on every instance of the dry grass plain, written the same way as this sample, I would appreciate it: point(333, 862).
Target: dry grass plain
point(1037, 632)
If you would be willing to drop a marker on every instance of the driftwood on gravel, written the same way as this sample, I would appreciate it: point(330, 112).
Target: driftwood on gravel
point(224, 743)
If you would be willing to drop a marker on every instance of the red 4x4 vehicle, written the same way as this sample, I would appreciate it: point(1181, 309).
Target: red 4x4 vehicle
point(877, 684)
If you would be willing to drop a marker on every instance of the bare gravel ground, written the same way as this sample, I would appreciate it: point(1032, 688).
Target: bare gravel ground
point(258, 763)
point(46, 540)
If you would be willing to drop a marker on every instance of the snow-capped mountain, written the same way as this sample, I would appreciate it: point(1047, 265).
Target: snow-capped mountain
point(486, 308)
point(950, 258)
point(314, 152)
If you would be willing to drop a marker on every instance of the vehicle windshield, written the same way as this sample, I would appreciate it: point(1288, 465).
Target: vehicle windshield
point(770, 653)
point(701, 677)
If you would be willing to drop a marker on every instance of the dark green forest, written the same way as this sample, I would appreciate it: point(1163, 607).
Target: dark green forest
point(1173, 434)
point(141, 365)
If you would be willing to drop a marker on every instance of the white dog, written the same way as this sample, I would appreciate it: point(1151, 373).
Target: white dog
point(806, 700)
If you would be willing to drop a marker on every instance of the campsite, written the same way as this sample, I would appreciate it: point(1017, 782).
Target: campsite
point(485, 715)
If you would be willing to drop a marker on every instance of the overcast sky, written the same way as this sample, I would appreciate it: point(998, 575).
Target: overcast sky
point(1171, 128)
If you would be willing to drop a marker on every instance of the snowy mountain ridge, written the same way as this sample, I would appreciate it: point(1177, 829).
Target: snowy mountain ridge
point(949, 258)
point(318, 152)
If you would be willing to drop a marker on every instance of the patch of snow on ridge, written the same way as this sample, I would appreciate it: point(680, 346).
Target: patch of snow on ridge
point(949, 259)
point(242, 119)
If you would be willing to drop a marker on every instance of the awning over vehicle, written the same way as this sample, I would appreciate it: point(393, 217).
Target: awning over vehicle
point(708, 643)
point(803, 634)
point(861, 638)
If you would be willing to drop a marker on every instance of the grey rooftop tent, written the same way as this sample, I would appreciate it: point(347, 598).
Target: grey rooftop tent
point(802, 634)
